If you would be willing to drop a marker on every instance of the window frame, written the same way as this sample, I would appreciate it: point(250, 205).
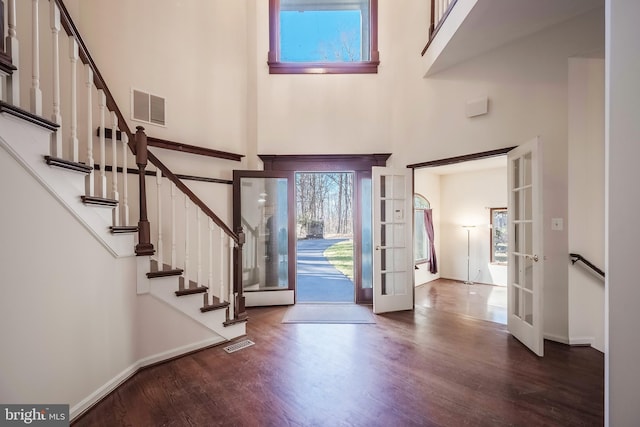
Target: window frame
point(360, 67)
point(491, 251)
point(421, 209)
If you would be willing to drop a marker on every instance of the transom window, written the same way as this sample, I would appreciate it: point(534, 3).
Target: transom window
point(323, 36)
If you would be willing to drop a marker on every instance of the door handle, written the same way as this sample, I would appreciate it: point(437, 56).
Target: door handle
point(377, 248)
point(533, 257)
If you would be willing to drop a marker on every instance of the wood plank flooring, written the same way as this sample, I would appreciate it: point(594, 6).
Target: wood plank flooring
point(425, 367)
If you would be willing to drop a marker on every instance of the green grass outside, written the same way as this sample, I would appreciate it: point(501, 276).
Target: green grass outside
point(340, 255)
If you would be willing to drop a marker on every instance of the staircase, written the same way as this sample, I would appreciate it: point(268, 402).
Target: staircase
point(72, 137)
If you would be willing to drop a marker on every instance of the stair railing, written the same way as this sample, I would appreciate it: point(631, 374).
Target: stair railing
point(577, 257)
point(440, 9)
point(90, 100)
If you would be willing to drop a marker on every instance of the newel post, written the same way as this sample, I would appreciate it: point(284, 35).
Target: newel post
point(237, 276)
point(144, 246)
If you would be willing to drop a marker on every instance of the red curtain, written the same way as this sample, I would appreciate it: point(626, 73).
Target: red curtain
point(428, 225)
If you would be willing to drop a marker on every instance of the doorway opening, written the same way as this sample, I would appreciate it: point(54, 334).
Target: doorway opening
point(324, 237)
point(468, 203)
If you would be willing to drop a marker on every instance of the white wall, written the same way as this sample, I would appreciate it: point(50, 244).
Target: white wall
point(622, 133)
point(428, 185)
point(193, 53)
point(586, 199)
point(466, 199)
point(70, 320)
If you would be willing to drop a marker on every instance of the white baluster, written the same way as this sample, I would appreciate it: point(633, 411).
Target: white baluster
point(125, 180)
point(73, 56)
point(199, 219)
point(13, 49)
point(186, 241)
point(173, 226)
point(90, 179)
point(103, 156)
point(35, 93)
point(210, 278)
point(56, 137)
point(159, 248)
point(114, 167)
point(230, 281)
point(221, 269)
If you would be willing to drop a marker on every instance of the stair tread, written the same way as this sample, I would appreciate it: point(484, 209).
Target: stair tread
point(215, 306)
point(68, 164)
point(122, 229)
point(99, 201)
point(191, 291)
point(164, 273)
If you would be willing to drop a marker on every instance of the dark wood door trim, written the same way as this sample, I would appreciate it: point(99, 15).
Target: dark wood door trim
point(460, 159)
point(361, 165)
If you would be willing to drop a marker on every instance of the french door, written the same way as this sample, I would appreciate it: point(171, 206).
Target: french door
point(525, 267)
point(392, 199)
point(262, 206)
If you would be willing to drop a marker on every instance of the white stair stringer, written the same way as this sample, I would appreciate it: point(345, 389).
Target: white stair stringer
point(164, 289)
point(27, 144)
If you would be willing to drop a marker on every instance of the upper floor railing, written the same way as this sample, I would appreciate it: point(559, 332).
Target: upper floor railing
point(440, 9)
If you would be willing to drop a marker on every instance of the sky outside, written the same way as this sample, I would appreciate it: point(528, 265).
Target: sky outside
point(320, 36)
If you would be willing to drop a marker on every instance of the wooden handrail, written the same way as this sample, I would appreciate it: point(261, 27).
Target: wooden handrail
point(577, 257)
point(98, 80)
point(193, 149)
point(138, 145)
point(179, 146)
point(182, 187)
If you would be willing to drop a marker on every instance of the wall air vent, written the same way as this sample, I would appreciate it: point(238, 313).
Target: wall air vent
point(147, 108)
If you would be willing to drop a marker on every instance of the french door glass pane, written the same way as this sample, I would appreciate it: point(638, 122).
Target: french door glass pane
point(367, 235)
point(265, 221)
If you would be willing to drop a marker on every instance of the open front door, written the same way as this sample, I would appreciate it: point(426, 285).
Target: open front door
point(524, 287)
point(262, 201)
point(392, 239)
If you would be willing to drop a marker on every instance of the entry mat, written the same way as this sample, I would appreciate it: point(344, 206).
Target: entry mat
point(328, 313)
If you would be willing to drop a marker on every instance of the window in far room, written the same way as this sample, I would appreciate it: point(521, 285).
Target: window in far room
point(421, 239)
point(323, 36)
point(499, 235)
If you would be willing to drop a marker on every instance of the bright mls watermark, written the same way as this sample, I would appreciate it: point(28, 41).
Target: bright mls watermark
point(34, 415)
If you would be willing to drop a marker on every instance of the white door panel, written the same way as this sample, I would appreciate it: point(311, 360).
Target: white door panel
point(525, 267)
point(393, 239)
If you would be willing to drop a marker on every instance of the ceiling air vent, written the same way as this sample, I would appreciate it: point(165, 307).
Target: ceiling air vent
point(148, 108)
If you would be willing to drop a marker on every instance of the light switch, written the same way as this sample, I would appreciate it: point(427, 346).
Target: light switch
point(399, 214)
point(557, 224)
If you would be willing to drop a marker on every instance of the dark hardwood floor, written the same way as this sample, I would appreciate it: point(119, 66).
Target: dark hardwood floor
point(426, 367)
point(485, 302)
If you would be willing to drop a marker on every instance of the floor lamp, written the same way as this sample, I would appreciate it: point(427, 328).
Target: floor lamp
point(468, 228)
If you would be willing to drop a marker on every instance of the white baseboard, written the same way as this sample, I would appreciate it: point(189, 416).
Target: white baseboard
point(581, 341)
point(556, 338)
point(127, 373)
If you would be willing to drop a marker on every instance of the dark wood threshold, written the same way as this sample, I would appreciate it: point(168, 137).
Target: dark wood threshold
point(99, 201)
point(27, 116)
point(179, 146)
point(68, 164)
point(123, 229)
point(460, 159)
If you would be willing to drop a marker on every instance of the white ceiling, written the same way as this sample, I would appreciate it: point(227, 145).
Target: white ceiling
point(492, 23)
